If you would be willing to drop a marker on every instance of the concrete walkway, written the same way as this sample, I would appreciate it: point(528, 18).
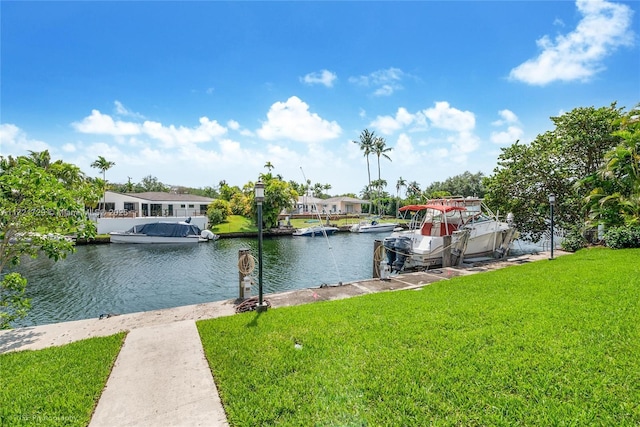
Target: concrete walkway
point(161, 378)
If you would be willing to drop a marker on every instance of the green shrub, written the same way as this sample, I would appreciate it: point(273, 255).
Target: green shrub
point(627, 236)
point(218, 211)
point(573, 241)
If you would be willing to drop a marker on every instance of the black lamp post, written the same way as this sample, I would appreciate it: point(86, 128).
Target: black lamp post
point(259, 195)
point(552, 202)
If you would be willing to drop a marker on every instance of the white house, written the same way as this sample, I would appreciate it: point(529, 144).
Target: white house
point(124, 210)
point(333, 205)
point(153, 204)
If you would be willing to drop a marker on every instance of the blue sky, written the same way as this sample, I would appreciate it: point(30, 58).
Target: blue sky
point(198, 92)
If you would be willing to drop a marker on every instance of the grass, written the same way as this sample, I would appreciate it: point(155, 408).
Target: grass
point(56, 386)
point(547, 343)
point(235, 224)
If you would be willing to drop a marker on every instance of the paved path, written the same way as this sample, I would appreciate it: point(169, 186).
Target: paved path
point(161, 378)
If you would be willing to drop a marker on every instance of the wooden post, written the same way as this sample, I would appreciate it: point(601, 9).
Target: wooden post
point(241, 253)
point(376, 263)
point(446, 251)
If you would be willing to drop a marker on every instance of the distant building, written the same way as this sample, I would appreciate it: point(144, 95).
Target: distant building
point(153, 204)
point(333, 205)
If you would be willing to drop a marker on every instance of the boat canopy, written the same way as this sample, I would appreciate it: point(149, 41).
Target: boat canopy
point(441, 208)
point(166, 229)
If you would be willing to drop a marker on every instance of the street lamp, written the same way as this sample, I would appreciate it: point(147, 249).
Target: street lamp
point(259, 195)
point(552, 202)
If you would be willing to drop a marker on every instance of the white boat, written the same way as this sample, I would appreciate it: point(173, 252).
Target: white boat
point(372, 226)
point(316, 230)
point(475, 232)
point(163, 232)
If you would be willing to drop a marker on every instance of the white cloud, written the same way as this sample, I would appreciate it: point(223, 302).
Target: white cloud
point(324, 77)
point(98, 123)
point(388, 124)
point(14, 141)
point(292, 120)
point(580, 54)
point(385, 82)
point(121, 110)
point(510, 136)
point(443, 116)
point(232, 124)
point(103, 124)
point(512, 133)
point(507, 116)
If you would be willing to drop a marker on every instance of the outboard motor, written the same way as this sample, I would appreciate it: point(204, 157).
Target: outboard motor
point(389, 244)
point(403, 250)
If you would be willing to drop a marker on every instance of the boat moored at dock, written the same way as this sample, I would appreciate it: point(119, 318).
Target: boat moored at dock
point(473, 230)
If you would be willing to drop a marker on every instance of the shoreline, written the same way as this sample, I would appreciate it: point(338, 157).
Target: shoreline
point(55, 334)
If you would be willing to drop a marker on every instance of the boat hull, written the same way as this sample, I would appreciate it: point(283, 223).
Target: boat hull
point(315, 231)
point(141, 238)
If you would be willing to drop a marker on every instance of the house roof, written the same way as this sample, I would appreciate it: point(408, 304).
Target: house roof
point(157, 196)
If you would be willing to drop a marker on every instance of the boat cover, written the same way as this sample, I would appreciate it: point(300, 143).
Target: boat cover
point(166, 229)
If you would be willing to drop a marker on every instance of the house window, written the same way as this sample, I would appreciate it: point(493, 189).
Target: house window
point(203, 209)
point(145, 209)
point(128, 206)
point(170, 210)
point(191, 206)
point(183, 206)
point(156, 209)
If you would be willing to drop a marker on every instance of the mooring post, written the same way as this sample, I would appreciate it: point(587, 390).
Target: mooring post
point(446, 251)
point(376, 263)
point(241, 274)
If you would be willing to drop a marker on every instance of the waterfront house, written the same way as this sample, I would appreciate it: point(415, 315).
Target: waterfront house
point(332, 206)
point(124, 210)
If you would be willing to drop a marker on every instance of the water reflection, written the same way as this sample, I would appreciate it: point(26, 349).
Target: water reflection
point(130, 278)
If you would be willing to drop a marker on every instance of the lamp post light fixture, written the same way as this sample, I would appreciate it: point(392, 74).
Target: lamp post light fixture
point(259, 196)
point(552, 202)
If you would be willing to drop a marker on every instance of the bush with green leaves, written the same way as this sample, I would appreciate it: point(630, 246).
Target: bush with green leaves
point(218, 211)
point(573, 241)
point(627, 236)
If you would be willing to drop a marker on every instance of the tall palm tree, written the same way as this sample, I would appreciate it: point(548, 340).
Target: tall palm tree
point(103, 165)
point(366, 145)
point(399, 184)
point(380, 149)
point(269, 166)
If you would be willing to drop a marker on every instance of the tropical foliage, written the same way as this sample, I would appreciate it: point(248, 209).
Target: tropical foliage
point(40, 202)
point(554, 163)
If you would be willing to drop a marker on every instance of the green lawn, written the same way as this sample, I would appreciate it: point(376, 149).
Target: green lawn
point(547, 343)
point(235, 224)
point(57, 386)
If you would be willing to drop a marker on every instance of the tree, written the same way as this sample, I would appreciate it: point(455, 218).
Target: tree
point(218, 211)
point(465, 184)
point(36, 209)
point(151, 183)
point(366, 144)
point(380, 149)
point(278, 196)
point(269, 166)
point(615, 198)
point(553, 163)
point(399, 185)
point(103, 165)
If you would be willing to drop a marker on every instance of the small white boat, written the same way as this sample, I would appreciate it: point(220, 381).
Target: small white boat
point(373, 226)
point(474, 231)
point(163, 232)
point(316, 230)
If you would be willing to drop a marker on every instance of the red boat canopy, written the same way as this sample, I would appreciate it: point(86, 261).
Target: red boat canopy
point(441, 208)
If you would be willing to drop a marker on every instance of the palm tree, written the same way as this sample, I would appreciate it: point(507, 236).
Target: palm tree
point(399, 184)
point(103, 165)
point(269, 166)
point(380, 149)
point(41, 158)
point(366, 145)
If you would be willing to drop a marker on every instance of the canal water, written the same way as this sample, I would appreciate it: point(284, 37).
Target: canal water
point(121, 278)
